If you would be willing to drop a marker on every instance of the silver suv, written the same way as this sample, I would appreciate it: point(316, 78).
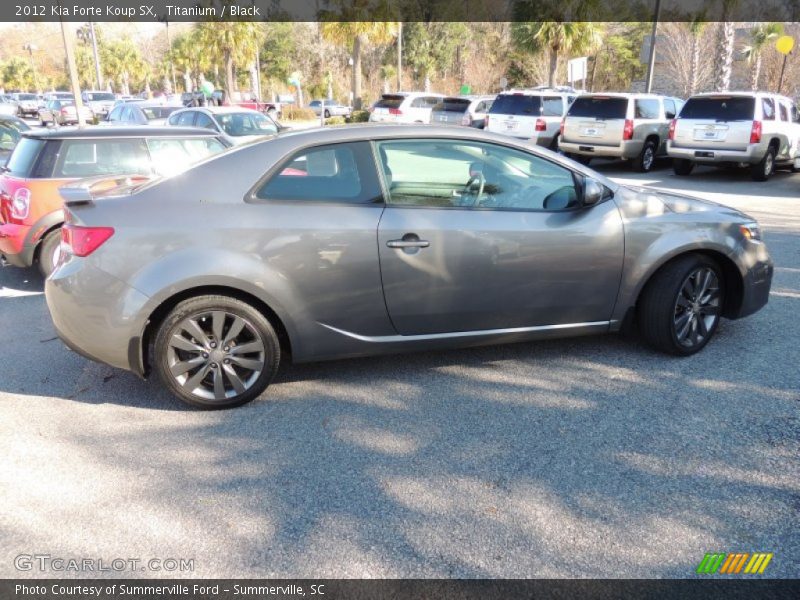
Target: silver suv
point(534, 115)
point(748, 128)
point(629, 126)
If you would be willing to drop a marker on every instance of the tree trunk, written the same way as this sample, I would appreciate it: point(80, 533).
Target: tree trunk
point(357, 43)
point(426, 85)
point(399, 56)
point(229, 86)
point(755, 74)
point(724, 66)
point(695, 65)
point(551, 76)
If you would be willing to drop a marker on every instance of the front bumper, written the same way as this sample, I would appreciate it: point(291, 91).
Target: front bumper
point(753, 154)
point(756, 285)
point(626, 149)
point(14, 245)
point(96, 314)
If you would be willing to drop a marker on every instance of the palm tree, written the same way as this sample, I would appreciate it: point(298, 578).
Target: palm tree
point(122, 63)
point(696, 27)
point(760, 35)
point(189, 59)
point(357, 35)
point(725, 40)
point(235, 42)
point(17, 74)
point(557, 38)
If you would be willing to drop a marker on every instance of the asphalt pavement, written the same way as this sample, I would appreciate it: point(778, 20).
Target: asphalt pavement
point(587, 457)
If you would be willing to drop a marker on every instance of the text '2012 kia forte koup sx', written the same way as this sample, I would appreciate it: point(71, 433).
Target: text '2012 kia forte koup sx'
point(369, 239)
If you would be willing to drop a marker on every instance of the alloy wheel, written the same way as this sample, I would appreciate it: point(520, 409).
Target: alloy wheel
point(697, 307)
point(215, 355)
point(647, 159)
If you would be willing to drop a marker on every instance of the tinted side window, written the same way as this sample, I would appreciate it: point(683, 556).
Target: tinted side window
point(768, 109)
point(116, 114)
point(552, 106)
point(186, 118)
point(203, 120)
point(669, 108)
point(473, 175)
point(795, 114)
point(784, 111)
point(172, 155)
point(85, 158)
point(330, 173)
point(418, 102)
point(646, 109)
point(24, 156)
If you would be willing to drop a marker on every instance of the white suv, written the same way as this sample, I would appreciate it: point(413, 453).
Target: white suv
point(533, 115)
point(405, 107)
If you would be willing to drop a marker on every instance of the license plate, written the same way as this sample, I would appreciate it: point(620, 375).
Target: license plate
point(511, 125)
point(713, 135)
point(591, 132)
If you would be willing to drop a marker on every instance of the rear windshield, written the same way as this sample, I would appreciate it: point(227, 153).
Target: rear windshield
point(517, 104)
point(457, 105)
point(100, 96)
point(720, 108)
point(21, 162)
point(390, 101)
point(599, 107)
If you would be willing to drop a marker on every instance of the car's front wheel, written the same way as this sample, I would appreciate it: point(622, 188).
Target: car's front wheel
point(216, 352)
point(681, 306)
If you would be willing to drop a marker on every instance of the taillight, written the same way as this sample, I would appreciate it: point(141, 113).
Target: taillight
point(21, 203)
point(672, 125)
point(541, 125)
point(561, 129)
point(627, 131)
point(84, 240)
point(755, 132)
point(395, 111)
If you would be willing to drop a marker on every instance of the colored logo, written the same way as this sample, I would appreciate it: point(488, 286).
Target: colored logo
point(734, 564)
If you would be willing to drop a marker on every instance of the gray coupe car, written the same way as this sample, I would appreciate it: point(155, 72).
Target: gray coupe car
point(341, 242)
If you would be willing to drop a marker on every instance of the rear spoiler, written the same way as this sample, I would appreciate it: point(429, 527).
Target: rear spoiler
point(86, 191)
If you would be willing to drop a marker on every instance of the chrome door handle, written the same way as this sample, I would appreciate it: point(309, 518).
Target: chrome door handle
point(408, 243)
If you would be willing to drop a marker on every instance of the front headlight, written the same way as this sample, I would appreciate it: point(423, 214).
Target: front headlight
point(751, 231)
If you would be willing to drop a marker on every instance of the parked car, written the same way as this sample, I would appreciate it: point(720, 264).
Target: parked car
point(27, 104)
point(533, 115)
point(47, 97)
point(633, 127)
point(248, 100)
point(63, 112)
point(11, 129)
point(330, 108)
point(30, 207)
point(758, 129)
point(140, 113)
point(269, 251)
point(470, 111)
point(100, 102)
point(237, 125)
point(405, 107)
point(8, 106)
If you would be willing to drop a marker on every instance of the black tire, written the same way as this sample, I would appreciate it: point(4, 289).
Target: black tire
point(682, 166)
point(647, 157)
point(554, 144)
point(211, 353)
point(327, 114)
point(665, 308)
point(762, 170)
point(48, 252)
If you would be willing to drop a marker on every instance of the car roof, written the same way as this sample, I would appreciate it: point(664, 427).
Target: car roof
point(118, 132)
point(741, 93)
point(222, 110)
point(540, 92)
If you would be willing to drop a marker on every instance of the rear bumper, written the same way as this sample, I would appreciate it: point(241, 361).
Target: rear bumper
point(626, 149)
point(14, 245)
point(96, 314)
point(753, 154)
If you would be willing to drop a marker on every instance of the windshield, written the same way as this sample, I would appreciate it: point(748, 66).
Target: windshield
point(98, 96)
point(24, 156)
point(26, 96)
point(599, 107)
point(241, 124)
point(720, 108)
point(457, 105)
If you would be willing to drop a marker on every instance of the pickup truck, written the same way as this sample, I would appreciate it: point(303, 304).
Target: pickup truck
point(249, 100)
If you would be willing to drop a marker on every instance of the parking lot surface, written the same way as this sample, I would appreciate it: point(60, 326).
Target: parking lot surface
point(588, 457)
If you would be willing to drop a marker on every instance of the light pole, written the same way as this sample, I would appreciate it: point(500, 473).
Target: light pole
point(399, 55)
point(31, 48)
point(651, 61)
point(73, 72)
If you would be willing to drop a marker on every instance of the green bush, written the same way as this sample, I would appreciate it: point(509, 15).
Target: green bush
point(293, 113)
point(358, 116)
point(335, 121)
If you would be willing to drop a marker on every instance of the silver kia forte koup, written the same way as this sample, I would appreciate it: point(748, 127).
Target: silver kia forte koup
point(356, 241)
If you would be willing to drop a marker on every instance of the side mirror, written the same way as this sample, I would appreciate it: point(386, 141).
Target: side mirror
point(593, 191)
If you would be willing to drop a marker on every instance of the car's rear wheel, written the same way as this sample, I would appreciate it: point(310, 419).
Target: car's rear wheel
point(647, 157)
point(216, 352)
point(49, 253)
point(680, 308)
point(762, 170)
point(682, 166)
point(327, 114)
